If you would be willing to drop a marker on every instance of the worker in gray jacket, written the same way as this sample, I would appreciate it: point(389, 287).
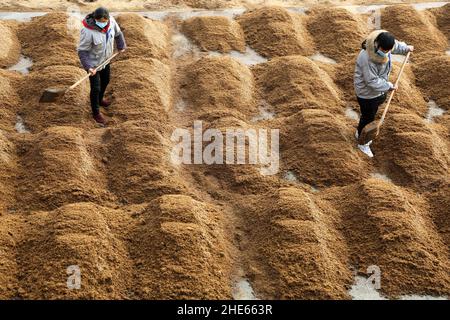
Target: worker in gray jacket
point(99, 33)
point(371, 79)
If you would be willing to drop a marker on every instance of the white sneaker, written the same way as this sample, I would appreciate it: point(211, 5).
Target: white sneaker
point(357, 138)
point(366, 149)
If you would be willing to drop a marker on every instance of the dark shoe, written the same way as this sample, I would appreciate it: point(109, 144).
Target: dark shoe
point(105, 103)
point(100, 119)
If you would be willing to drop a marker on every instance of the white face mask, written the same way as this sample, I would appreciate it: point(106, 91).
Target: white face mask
point(382, 53)
point(101, 24)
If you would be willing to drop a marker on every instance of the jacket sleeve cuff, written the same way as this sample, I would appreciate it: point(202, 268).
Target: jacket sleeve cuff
point(120, 41)
point(84, 59)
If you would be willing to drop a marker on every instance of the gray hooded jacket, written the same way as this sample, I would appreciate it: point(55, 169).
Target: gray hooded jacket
point(97, 45)
point(372, 71)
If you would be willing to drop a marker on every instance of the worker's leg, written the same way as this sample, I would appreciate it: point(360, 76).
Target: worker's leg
point(369, 108)
point(104, 81)
point(95, 93)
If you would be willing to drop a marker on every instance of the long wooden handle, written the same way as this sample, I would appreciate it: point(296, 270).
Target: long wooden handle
point(393, 91)
point(104, 63)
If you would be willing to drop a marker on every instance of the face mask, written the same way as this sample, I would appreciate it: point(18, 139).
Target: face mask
point(101, 24)
point(382, 54)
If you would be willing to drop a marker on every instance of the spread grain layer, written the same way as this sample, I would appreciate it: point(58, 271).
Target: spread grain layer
point(112, 203)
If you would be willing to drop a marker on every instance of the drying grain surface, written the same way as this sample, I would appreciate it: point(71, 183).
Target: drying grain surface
point(336, 31)
point(9, 46)
point(144, 37)
point(48, 41)
point(111, 201)
point(433, 76)
point(274, 31)
point(417, 28)
point(215, 33)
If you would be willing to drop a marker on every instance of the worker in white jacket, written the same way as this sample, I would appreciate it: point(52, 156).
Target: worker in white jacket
point(371, 79)
point(97, 38)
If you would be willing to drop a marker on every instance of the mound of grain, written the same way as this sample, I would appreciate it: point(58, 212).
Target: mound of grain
point(71, 109)
point(9, 102)
point(408, 97)
point(48, 41)
point(140, 153)
point(181, 251)
point(213, 83)
point(319, 148)
point(439, 200)
point(215, 33)
point(433, 77)
point(143, 95)
point(79, 234)
point(336, 31)
point(390, 227)
point(299, 252)
point(7, 164)
point(242, 177)
point(9, 46)
point(274, 31)
point(59, 168)
point(443, 19)
point(144, 37)
point(414, 27)
point(410, 152)
point(8, 264)
point(294, 83)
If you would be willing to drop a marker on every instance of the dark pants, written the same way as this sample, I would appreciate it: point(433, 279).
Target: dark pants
point(99, 82)
point(369, 108)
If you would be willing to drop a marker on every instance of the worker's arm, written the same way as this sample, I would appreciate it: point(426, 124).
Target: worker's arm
point(84, 48)
point(373, 80)
point(119, 38)
point(401, 48)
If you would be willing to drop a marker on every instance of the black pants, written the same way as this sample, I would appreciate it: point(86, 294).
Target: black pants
point(369, 108)
point(99, 82)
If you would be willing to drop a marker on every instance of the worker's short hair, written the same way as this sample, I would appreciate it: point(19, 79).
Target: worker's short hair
point(385, 40)
point(101, 13)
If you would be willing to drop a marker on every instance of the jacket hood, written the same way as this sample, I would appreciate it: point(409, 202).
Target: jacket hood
point(370, 46)
point(89, 22)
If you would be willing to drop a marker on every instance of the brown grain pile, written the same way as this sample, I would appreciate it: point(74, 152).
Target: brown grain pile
point(214, 83)
point(274, 31)
point(181, 250)
point(390, 227)
point(72, 109)
point(293, 83)
point(439, 200)
point(48, 41)
point(337, 32)
point(411, 153)
point(443, 19)
point(433, 76)
point(318, 147)
point(59, 156)
point(408, 97)
point(9, 46)
point(141, 90)
point(81, 234)
point(215, 33)
point(142, 155)
point(7, 164)
point(111, 201)
point(414, 27)
point(9, 101)
point(8, 249)
point(144, 37)
point(300, 251)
